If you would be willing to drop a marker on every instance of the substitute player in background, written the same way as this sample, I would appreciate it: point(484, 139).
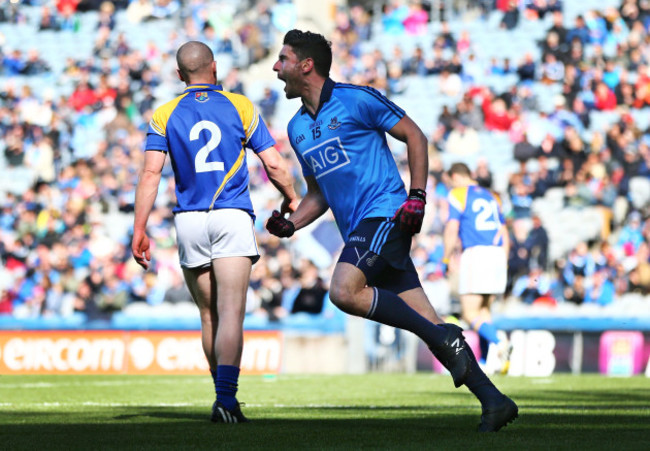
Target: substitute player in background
point(339, 136)
point(475, 216)
point(205, 132)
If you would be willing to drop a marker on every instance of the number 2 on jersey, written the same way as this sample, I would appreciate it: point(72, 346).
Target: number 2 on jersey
point(200, 163)
point(487, 214)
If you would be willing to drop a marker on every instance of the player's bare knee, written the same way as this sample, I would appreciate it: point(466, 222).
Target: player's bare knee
point(343, 298)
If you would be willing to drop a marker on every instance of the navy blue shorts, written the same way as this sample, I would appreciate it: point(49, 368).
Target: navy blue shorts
point(382, 252)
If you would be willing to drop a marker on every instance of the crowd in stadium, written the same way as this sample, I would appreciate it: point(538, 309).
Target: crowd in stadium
point(82, 150)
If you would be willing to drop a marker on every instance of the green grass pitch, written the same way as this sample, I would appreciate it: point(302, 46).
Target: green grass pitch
point(375, 411)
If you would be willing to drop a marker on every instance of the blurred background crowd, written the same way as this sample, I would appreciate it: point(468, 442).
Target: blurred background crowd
point(547, 101)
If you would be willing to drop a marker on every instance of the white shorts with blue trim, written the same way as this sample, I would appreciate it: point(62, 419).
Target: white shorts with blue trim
point(206, 235)
point(483, 270)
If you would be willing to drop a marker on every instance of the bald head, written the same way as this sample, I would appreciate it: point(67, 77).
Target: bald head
point(194, 61)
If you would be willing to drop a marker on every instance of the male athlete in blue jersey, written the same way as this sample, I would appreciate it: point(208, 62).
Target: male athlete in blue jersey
point(206, 132)
point(476, 218)
point(339, 136)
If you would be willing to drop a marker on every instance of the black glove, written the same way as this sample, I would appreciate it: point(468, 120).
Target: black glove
point(411, 213)
point(279, 226)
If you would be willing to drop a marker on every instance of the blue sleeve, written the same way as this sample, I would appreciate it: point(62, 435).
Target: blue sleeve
point(155, 141)
point(261, 138)
point(454, 213)
point(373, 109)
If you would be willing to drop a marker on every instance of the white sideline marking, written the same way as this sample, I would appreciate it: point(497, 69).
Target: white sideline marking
point(206, 403)
point(101, 404)
point(86, 384)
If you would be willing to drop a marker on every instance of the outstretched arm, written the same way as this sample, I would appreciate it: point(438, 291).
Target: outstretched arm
point(276, 168)
point(145, 196)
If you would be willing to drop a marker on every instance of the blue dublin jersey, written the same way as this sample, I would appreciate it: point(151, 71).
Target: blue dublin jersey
point(205, 131)
point(344, 147)
point(479, 214)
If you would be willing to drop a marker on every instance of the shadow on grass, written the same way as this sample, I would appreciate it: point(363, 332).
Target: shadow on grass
point(354, 427)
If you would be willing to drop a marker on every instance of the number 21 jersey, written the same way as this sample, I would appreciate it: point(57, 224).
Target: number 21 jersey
point(479, 213)
point(205, 131)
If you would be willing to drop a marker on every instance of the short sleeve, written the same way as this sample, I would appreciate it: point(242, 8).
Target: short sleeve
point(156, 139)
point(372, 108)
point(259, 138)
point(456, 199)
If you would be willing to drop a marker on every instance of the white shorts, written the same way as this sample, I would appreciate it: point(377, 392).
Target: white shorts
point(205, 235)
point(483, 270)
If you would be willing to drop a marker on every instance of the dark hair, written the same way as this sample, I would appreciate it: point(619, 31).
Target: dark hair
point(460, 168)
point(306, 44)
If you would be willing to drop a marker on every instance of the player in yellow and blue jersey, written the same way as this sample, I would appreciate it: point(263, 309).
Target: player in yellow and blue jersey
point(339, 137)
point(205, 131)
point(476, 218)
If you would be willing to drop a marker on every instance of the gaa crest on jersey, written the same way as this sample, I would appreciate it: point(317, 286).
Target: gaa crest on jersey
point(334, 123)
point(201, 96)
point(326, 157)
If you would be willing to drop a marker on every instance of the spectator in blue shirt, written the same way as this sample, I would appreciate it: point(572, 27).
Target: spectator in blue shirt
point(580, 31)
point(13, 63)
point(601, 291)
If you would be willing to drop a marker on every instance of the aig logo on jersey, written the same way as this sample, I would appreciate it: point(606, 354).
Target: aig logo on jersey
point(326, 157)
point(201, 96)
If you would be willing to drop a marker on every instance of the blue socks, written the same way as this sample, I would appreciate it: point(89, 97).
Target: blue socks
point(214, 379)
point(388, 308)
point(225, 384)
point(489, 332)
point(484, 346)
